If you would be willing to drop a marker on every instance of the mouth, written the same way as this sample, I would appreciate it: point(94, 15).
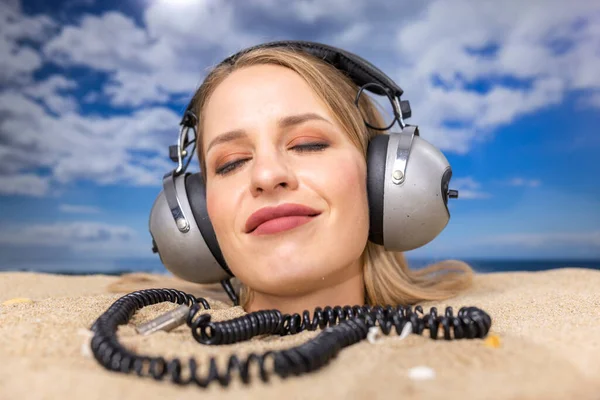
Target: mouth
point(270, 220)
point(281, 224)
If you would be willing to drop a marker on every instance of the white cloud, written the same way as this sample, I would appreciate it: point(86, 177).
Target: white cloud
point(101, 42)
point(150, 64)
point(113, 43)
point(518, 181)
point(134, 89)
point(78, 209)
point(75, 147)
point(65, 233)
point(312, 11)
point(81, 237)
point(468, 188)
point(437, 43)
point(24, 184)
point(17, 62)
point(49, 93)
point(165, 57)
point(592, 101)
point(353, 34)
point(546, 239)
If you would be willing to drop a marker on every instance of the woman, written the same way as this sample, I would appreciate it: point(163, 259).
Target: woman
point(278, 131)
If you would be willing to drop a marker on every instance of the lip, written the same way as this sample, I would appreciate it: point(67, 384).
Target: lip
point(284, 212)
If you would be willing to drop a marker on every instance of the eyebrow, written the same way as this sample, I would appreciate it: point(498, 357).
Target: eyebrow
point(285, 122)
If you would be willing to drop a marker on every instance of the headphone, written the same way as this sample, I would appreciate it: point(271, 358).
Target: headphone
point(407, 182)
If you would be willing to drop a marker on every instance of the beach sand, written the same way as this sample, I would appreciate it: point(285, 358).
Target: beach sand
point(547, 324)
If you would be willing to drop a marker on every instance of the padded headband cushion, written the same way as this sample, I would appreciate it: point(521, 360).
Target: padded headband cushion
point(377, 151)
point(358, 69)
point(196, 194)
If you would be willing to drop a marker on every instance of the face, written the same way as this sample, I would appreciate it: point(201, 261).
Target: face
point(270, 142)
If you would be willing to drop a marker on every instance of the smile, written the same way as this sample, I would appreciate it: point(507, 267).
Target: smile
point(282, 224)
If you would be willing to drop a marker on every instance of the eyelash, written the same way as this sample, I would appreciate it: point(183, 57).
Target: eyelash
point(225, 169)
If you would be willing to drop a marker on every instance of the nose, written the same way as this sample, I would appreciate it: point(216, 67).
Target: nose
point(271, 172)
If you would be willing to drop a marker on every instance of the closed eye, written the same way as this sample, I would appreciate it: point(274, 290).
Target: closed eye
point(310, 147)
point(301, 148)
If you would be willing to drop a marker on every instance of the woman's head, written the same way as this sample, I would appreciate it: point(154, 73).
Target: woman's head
point(295, 137)
point(281, 127)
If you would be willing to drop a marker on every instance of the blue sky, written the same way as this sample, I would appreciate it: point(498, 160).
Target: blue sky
point(91, 94)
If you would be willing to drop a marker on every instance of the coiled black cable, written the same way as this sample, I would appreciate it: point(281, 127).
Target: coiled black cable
point(342, 327)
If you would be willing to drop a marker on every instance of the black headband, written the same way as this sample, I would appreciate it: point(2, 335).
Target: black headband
point(358, 69)
point(364, 74)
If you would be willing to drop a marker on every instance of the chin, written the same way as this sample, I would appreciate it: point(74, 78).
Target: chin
point(287, 278)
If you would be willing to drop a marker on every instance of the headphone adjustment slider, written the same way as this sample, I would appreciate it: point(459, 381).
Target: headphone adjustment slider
point(404, 144)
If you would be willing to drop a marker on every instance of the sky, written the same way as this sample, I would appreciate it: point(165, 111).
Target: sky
point(91, 94)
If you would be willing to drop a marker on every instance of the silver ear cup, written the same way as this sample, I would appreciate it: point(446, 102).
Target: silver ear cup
point(414, 209)
point(185, 254)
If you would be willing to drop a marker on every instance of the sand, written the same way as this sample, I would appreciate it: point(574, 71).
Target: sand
point(547, 326)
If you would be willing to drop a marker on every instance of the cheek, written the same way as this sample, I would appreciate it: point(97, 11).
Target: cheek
point(216, 206)
point(347, 182)
point(223, 205)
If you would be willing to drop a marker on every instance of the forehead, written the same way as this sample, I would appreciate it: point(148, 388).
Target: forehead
point(255, 95)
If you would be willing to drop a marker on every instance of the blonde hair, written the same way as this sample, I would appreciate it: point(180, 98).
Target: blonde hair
point(387, 277)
